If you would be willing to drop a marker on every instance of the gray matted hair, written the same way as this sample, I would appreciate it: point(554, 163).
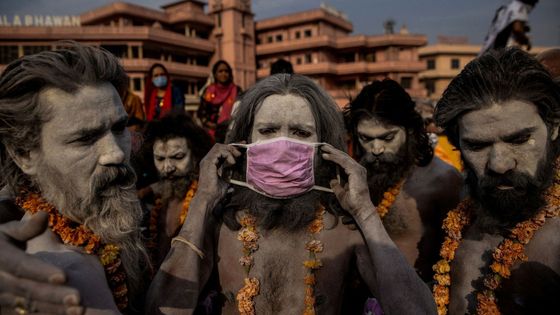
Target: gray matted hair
point(21, 116)
point(328, 118)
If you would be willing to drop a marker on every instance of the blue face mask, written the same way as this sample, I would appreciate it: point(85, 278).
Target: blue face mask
point(160, 81)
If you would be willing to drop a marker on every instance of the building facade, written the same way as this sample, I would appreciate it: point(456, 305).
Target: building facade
point(318, 43)
point(182, 36)
point(445, 59)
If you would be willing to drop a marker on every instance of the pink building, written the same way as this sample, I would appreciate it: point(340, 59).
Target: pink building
point(188, 38)
point(318, 44)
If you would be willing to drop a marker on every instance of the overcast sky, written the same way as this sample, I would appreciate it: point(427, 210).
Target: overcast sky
point(469, 18)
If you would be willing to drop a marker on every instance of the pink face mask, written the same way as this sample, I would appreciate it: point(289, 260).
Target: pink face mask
point(280, 168)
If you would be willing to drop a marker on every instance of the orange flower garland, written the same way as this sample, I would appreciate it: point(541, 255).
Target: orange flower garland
point(506, 254)
point(78, 235)
point(389, 198)
point(156, 210)
point(313, 246)
point(249, 236)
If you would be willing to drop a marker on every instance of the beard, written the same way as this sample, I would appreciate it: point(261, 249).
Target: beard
point(508, 207)
point(386, 170)
point(175, 187)
point(290, 214)
point(110, 209)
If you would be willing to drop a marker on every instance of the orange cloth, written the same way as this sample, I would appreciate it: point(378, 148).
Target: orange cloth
point(448, 153)
point(133, 106)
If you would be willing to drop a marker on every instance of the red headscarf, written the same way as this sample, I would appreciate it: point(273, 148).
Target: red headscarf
point(222, 95)
point(151, 98)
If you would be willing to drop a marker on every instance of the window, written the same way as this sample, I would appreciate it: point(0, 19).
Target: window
point(30, 50)
point(298, 35)
point(370, 57)
point(307, 58)
point(431, 64)
point(298, 61)
point(455, 63)
point(219, 17)
point(135, 52)
point(269, 39)
point(307, 33)
point(137, 84)
point(406, 82)
point(8, 54)
point(279, 38)
point(430, 87)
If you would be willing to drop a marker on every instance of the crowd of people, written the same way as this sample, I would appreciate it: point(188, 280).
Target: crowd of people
point(254, 206)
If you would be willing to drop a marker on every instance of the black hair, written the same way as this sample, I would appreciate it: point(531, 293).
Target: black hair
point(388, 102)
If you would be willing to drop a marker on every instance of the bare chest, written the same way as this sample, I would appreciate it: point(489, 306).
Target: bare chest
point(278, 265)
point(474, 257)
point(169, 221)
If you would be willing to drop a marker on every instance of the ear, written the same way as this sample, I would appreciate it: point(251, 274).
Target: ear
point(554, 133)
point(26, 161)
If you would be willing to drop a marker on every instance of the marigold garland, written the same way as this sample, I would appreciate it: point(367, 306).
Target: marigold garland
point(78, 235)
point(506, 254)
point(156, 210)
point(389, 198)
point(249, 237)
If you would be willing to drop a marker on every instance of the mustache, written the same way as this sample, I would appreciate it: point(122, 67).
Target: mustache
point(385, 158)
point(519, 181)
point(109, 177)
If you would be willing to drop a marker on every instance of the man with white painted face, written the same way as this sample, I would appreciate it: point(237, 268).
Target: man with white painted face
point(270, 244)
point(65, 150)
point(411, 189)
point(178, 145)
point(502, 251)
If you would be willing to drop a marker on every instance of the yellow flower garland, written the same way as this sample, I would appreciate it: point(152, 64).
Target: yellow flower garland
point(509, 251)
point(80, 236)
point(249, 236)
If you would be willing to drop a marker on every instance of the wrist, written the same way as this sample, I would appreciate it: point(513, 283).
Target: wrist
point(364, 213)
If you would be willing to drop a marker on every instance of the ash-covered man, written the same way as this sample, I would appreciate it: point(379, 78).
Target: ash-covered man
point(276, 247)
point(411, 189)
point(65, 150)
point(502, 250)
point(178, 145)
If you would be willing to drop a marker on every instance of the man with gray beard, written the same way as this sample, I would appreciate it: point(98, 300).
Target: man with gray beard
point(177, 146)
point(65, 150)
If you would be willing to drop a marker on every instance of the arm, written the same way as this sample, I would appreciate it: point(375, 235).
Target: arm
point(26, 280)
point(518, 32)
point(184, 273)
point(400, 289)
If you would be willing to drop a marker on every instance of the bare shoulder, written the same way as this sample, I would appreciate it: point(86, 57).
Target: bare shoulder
point(438, 176)
point(343, 236)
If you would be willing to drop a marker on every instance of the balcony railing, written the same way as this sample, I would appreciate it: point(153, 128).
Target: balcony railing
point(106, 33)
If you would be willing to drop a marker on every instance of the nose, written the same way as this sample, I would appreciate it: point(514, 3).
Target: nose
point(111, 150)
point(501, 160)
point(377, 147)
point(168, 168)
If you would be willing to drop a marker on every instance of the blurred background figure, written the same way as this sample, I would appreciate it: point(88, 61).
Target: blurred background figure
point(161, 96)
point(443, 149)
point(217, 99)
point(510, 26)
point(281, 66)
point(136, 117)
point(133, 105)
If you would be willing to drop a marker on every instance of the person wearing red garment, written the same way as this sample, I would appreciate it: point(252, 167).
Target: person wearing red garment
point(217, 100)
point(161, 96)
